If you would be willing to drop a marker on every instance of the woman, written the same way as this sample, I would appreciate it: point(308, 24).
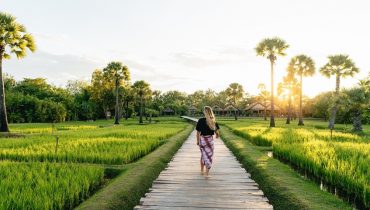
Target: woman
point(206, 128)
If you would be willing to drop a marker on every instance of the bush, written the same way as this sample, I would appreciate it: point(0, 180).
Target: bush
point(27, 108)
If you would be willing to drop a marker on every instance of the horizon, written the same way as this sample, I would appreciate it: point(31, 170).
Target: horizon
point(172, 50)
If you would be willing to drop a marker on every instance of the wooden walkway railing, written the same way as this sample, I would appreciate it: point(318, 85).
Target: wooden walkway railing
point(190, 118)
point(182, 186)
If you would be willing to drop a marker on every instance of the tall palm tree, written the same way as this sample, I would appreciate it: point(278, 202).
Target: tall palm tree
point(235, 93)
point(120, 74)
point(142, 89)
point(271, 48)
point(127, 96)
point(264, 94)
point(340, 66)
point(303, 66)
point(13, 39)
point(290, 86)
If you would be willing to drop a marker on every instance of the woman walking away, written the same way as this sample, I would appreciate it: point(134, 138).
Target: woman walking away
point(206, 128)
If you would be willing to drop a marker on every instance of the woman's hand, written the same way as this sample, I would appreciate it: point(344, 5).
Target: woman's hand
point(217, 134)
point(198, 143)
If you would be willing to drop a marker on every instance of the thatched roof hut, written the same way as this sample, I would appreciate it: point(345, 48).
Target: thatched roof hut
point(256, 106)
point(217, 108)
point(168, 111)
point(231, 108)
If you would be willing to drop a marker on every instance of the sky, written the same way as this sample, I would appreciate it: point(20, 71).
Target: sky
point(189, 45)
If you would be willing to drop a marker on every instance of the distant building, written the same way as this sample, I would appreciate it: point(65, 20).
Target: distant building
point(257, 109)
point(217, 110)
point(230, 110)
point(192, 110)
point(168, 111)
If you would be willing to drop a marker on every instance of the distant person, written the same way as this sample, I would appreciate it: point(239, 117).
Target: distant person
point(206, 128)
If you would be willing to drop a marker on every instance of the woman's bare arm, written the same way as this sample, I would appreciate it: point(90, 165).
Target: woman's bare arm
point(198, 137)
point(218, 133)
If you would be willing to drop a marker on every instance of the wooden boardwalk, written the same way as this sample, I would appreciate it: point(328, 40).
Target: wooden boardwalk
point(182, 186)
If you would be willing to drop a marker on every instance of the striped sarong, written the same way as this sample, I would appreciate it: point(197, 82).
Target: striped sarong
point(206, 149)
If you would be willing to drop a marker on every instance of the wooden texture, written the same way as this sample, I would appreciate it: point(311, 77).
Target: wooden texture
point(182, 186)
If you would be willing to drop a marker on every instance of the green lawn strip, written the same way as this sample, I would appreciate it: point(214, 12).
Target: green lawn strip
point(284, 187)
point(125, 191)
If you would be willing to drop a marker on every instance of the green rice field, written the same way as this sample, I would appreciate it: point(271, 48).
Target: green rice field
point(37, 172)
point(342, 161)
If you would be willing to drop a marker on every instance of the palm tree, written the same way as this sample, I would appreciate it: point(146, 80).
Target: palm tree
point(142, 89)
point(13, 39)
point(290, 86)
point(271, 48)
point(235, 92)
point(303, 66)
point(121, 75)
point(264, 94)
point(338, 66)
point(365, 83)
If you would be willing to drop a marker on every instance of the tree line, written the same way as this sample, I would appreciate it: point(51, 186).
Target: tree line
point(111, 90)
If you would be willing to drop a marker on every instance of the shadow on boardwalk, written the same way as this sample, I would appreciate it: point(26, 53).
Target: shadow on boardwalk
point(182, 186)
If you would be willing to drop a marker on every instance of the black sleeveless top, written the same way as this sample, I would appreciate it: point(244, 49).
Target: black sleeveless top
point(203, 128)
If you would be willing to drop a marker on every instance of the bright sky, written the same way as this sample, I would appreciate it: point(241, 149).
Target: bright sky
point(188, 44)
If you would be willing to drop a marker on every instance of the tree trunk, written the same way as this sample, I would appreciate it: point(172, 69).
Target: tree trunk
point(3, 117)
point(235, 115)
point(126, 108)
point(335, 107)
point(265, 111)
point(116, 110)
point(272, 114)
point(146, 116)
point(300, 121)
point(357, 124)
point(105, 112)
point(141, 110)
point(289, 109)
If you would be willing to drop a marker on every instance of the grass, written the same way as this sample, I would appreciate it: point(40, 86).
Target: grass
point(89, 154)
point(46, 185)
point(342, 161)
point(284, 188)
point(126, 190)
point(96, 144)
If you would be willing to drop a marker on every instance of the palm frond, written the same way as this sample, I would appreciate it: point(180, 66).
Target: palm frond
point(14, 37)
point(271, 48)
point(302, 65)
point(340, 65)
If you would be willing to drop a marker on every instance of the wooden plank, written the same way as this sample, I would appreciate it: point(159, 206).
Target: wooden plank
point(182, 186)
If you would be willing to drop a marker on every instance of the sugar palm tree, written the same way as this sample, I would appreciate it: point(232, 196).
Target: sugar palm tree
point(264, 94)
point(120, 74)
point(271, 49)
point(142, 89)
point(291, 87)
point(303, 66)
point(235, 93)
point(13, 39)
point(340, 66)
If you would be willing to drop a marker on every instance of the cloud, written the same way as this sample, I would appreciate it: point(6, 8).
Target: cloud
point(211, 58)
point(57, 69)
point(196, 60)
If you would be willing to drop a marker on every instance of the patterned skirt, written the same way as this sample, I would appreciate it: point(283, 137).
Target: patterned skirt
point(206, 146)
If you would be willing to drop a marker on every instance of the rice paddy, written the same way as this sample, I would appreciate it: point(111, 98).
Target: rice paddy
point(58, 166)
point(342, 160)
